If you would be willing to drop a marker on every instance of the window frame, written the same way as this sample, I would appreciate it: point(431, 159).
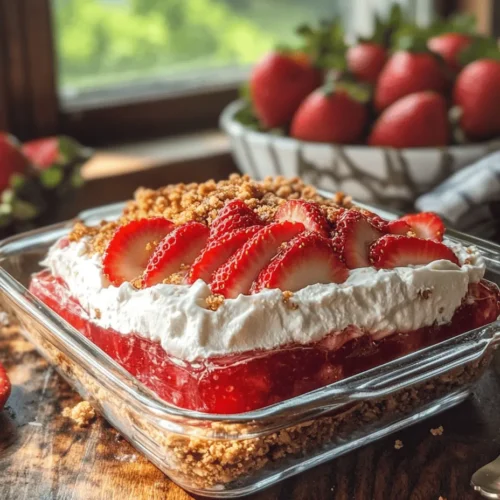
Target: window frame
point(30, 105)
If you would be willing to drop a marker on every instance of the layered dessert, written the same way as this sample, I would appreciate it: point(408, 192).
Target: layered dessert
point(228, 297)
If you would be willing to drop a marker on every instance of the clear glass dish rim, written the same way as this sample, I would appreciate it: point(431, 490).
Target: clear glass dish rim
point(376, 382)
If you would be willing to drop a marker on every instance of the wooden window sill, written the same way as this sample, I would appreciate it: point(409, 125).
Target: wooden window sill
point(114, 173)
point(157, 153)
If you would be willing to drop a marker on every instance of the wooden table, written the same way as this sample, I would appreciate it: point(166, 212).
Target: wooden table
point(45, 456)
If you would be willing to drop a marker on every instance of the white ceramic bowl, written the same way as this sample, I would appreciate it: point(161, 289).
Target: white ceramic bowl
point(381, 176)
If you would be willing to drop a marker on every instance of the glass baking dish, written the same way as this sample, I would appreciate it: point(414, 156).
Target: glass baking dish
point(229, 456)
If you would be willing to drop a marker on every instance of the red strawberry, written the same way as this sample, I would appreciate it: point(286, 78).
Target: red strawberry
point(306, 212)
point(426, 225)
point(392, 251)
point(179, 247)
point(12, 161)
point(130, 248)
point(406, 73)
point(278, 84)
point(48, 151)
point(387, 226)
point(5, 387)
point(366, 60)
point(416, 120)
point(43, 153)
point(217, 252)
point(307, 259)
point(476, 92)
point(354, 236)
point(237, 275)
point(449, 46)
point(398, 226)
point(235, 214)
point(330, 116)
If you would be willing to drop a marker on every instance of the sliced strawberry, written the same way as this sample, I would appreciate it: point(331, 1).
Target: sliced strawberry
point(308, 259)
point(354, 236)
point(399, 251)
point(4, 387)
point(235, 214)
point(131, 247)
point(306, 212)
point(237, 275)
point(179, 247)
point(398, 226)
point(217, 252)
point(426, 225)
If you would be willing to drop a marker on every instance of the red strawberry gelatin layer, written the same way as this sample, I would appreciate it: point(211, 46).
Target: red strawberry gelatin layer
point(252, 380)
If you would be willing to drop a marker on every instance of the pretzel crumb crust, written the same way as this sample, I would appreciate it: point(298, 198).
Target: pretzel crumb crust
point(182, 203)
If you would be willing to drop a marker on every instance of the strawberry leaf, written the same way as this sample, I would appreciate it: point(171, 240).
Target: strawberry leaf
point(459, 23)
point(411, 39)
point(51, 177)
point(482, 47)
point(357, 91)
point(325, 45)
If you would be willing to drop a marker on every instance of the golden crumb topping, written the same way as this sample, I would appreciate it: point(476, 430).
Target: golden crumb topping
point(213, 302)
point(287, 300)
point(181, 203)
point(82, 414)
point(438, 431)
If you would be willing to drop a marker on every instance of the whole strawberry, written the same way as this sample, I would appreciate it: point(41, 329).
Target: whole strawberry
point(366, 61)
point(407, 72)
point(49, 151)
point(477, 93)
point(12, 160)
point(4, 387)
point(278, 84)
point(416, 120)
point(330, 114)
point(449, 46)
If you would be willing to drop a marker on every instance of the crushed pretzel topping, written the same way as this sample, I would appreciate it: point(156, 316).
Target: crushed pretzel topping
point(82, 414)
point(287, 296)
point(175, 278)
point(398, 444)
point(182, 203)
point(214, 302)
point(438, 431)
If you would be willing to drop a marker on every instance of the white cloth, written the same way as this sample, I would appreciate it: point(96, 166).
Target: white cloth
point(469, 200)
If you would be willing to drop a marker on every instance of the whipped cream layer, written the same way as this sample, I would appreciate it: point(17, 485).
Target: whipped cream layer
point(377, 301)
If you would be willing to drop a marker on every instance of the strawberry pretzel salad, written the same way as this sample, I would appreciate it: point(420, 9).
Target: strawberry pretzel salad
point(231, 296)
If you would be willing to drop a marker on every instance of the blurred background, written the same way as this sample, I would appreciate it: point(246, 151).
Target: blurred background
point(144, 81)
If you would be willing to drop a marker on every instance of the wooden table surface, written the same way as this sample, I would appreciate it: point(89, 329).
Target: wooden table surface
point(45, 456)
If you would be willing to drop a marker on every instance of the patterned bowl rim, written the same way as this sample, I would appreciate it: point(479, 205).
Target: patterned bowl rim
point(235, 128)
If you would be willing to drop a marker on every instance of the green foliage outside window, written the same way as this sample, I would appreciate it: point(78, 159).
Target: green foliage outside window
point(103, 42)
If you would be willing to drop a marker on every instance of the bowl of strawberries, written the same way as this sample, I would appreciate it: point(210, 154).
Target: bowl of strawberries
point(385, 119)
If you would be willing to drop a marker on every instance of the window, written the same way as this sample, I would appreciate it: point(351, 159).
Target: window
point(127, 48)
point(117, 70)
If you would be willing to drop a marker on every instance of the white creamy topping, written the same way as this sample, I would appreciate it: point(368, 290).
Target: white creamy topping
point(380, 301)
